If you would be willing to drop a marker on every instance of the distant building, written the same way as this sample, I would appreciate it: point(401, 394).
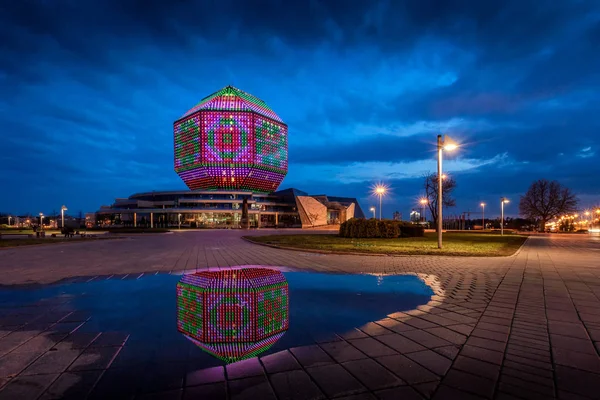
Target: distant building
point(415, 216)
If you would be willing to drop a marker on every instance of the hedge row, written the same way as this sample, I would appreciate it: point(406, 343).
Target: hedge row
point(372, 228)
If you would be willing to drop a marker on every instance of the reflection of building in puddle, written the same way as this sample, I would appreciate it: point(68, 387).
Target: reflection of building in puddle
point(233, 314)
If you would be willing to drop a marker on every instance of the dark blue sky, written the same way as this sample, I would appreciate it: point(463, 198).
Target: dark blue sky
point(89, 91)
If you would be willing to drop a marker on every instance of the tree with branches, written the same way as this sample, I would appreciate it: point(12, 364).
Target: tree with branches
point(431, 192)
point(546, 200)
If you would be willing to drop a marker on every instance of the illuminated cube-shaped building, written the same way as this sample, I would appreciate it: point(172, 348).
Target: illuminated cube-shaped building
point(231, 140)
point(233, 314)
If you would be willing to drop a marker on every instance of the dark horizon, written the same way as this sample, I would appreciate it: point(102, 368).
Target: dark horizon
point(92, 91)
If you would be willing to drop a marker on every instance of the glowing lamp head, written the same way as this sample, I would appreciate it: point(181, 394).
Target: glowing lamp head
point(423, 201)
point(482, 204)
point(449, 144)
point(372, 209)
point(380, 190)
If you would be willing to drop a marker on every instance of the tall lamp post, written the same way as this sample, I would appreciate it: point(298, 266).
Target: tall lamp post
point(179, 221)
point(373, 210)
point(502, 201)
point(42, 221)
point(423, 201)
point(448, 145)
point(9, 217)
point(62, 216)
point(482, 216)
point(380, 191)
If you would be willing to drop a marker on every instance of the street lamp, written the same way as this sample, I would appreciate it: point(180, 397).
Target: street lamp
point(42, 221)
point(448, 145)
point(502, 201)
point(179, 220)
point(423, 201)
point(380, 191)
point(373, 210)
point(482, 216)
point(9, 217)
point(62, 215)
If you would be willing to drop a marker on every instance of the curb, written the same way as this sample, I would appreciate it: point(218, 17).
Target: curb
point(354, 253)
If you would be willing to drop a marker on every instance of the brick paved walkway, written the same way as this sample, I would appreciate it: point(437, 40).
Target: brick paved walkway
point(526, 326)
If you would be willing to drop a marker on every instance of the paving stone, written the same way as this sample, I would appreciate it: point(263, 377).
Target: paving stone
point(445, 392)
point(449, 352)
point(375, 348)
point(486, 343)
point(94, 359)
point(295, 385)
point(312, 356)
point(353, 334)
point(214, 391)
point(403, 392)
point(373, 329)
point(110, 339)
point(26, 387)
point(244, 369)
point(516, 384)
point(335, 381)
point(448, 334)
point(432, 361)
point(204, 376)
point(470, 383)
point(584, 361)
point(426, 389)
point(371, 374)
point(477, 367)
point(284, 360)
point(13, 363)
point(77, 340)
point(52, 362)
point(72, 385)
point(342, 351)
point(425, 339)
point(394, 325)
point(482, 354)
point(407, 369)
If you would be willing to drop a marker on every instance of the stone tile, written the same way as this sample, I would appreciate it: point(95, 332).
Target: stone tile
point(425, 338)
point(204, 376)
point(571, 329)
point(372, 374)
point(432, 361)
point(52, 362)
point(342, 351)
point(486, 343)
point(353, 334)
point(394, 325)
point(26, 387)
point(214, 391)
point(450, 393)
point(571, 343)
point(39, 344)
point(477, 367)
point(448, 334)
point(543, 372)
point(283, 361)
point(400, 343)
point(375, 348)
point(462, 328)
point(407, 369)
point(587, 362)
point(71, 385)
point(244, 369)
point(483, 333)
point(77, 340)
point(448, 351)
point(426, 389)
point(312, 356)
point(335, 381)
point(482, 354)
point(516, 383)
point(93, 359)
point(13, 363)
point(403, 392)
point(295, 385)
point(65, 327)
point(470, 383)
point(420, 323)
point(373, 329)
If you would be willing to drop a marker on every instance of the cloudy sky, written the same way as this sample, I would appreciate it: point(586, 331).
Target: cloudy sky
point(89, 91)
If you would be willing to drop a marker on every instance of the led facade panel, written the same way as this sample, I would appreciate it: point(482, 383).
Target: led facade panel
point(233, 314)
point(231, 140)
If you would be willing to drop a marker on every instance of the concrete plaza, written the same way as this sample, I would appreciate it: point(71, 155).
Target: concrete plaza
point(526, 326)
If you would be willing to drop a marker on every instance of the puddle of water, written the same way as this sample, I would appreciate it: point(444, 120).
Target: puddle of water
point(146, 308)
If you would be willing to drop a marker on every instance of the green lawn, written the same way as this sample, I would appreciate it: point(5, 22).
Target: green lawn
point(455, 244)
point(28, 242)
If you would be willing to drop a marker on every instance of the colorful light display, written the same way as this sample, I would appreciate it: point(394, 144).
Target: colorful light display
point(231, 140)
point(233, 314)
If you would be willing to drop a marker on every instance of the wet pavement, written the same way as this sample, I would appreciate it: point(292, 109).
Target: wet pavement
point(526, 326)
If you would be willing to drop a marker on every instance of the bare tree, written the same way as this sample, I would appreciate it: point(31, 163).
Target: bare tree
point(546, 200)
point(431, 192)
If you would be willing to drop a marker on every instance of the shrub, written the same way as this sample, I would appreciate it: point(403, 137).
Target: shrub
point(372, 228)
